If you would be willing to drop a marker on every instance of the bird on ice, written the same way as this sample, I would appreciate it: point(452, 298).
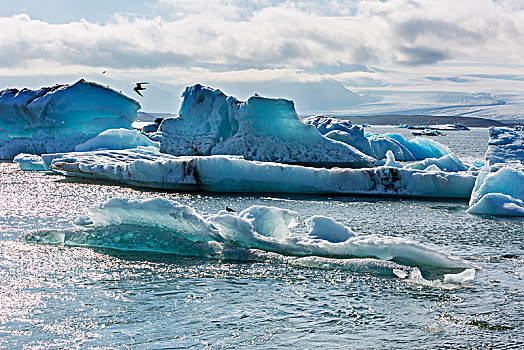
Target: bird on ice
point(139, 88)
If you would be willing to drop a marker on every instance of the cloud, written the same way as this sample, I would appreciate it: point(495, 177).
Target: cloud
point(263, 34)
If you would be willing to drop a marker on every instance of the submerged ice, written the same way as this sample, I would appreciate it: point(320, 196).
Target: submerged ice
point(58, 118)
point(162, 225)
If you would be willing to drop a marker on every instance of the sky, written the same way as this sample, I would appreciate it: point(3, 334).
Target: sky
point(370, 48)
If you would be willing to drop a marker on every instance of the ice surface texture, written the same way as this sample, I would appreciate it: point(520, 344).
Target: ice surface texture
point(264, 129)
point(162, 225)
point(499, 189)
point(376, 145)
point(58, 118)
point(149, 168)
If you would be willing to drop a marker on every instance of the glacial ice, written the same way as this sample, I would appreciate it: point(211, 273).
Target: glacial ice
point(343, 131)
point(390, 160)
point(30, 162)
point(377, 145)
point(264, 129)
point(146, 167)
point(416, 149)
point(449, 162)
point(499, 188)
point(58, 118)
point(116, 139)
point(162, 225)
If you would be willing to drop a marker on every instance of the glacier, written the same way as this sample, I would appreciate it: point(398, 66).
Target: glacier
point(261, 129)
point(56, 119)
point(377, 145)
point(147, 167)
point(165, 226)
point(499, 188)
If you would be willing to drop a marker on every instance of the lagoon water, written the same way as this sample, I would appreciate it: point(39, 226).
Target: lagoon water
point(70, 297)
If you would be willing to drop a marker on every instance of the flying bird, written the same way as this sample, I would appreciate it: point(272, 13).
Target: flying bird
point(139, 88)
point(104, 72)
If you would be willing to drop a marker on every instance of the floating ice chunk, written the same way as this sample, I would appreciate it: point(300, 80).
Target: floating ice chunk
point(506, 147)
point(270, 221)
point(58, 118)
point(30, 162)
point(232, 174)
point(116, 139)
point(343, 131)
point(163, 225)
point(265, 129)
point(181, 220)
point(432, 167)
point(464, 276)
point(498, 204)
point(377, 145)
point(506, 180)
point(499, 188)
point(325, 228)
point(419, 147)
point(449, 162)
point(390, 160)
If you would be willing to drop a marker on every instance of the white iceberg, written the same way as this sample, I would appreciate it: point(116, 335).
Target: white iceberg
point(145, 166)
point(377, 145)
point(263, 129)
point(30, 162)
point(162, 225)
point(449, 162)
point(499, 189)
point(116, 139)
point(58, 118)
point(416, 149)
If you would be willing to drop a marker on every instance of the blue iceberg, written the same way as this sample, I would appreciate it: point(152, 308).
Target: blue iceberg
point(377, 145)
point(499, 189)
point(262, 129)
point(58, 118)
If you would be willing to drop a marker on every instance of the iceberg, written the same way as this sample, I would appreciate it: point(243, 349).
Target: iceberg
point(30, 162)
point(56, 119)
point(406, 150)
point(449, 162)
point(499, 188)
point(262, 129)
point(377, 145)
point(147, 167)
point(116, 139)
point(343, 131)
point(162, 225)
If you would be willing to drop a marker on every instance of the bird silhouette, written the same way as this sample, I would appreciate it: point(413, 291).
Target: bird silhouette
point(104, 72)
point(231, 210)
point(139, 88)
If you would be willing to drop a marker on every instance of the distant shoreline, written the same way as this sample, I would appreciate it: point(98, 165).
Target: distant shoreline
point(425, 120)
point(387, 119)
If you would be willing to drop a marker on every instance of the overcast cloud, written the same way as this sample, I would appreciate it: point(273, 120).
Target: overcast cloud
point(268, 34)
point(368, 44)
